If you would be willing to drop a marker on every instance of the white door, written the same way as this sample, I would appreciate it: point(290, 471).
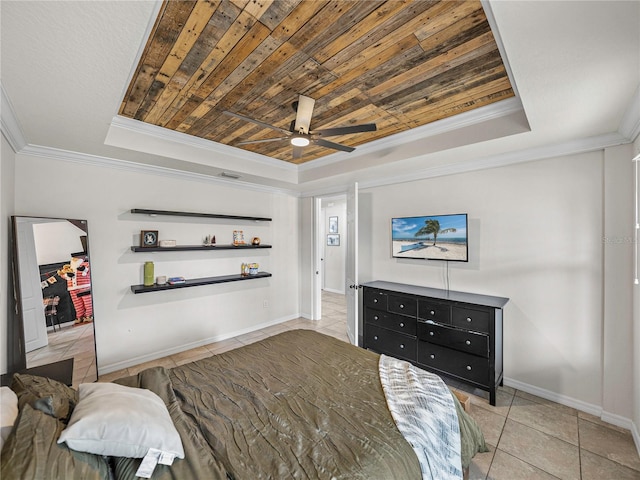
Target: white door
point(35, 325)
point(352, 264)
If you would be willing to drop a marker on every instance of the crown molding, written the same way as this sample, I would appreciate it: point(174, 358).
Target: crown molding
point(107, 162)
point(630, 124)
point(446, 125)
point(216, 148)
point(510, 158)
point(572, 147)
point(9, 124)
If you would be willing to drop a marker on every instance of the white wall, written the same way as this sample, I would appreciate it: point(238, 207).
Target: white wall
point(536, 234)
point(334, 256)
point(618, 282)
point(132, 328)
point(7, 167)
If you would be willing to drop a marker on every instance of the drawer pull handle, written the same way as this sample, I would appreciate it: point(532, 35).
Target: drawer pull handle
point(401, 325)
point(402, 345)
point(375, 337)
point(468, 342)
point(468, 367)
point(432, 312)
point(375, 300)
point(469, 319)
point(375, 317)
point(432, 356)
point(431, 333)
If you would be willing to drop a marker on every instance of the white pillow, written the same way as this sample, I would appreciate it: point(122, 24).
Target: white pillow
point(119, 421)
point(8, 412)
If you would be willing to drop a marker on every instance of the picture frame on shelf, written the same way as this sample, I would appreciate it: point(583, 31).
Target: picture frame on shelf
point(149, 238)
point(333, 224)
point(333, 240)
point(238, 237)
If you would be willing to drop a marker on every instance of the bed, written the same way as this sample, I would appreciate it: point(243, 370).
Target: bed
point(296, 405)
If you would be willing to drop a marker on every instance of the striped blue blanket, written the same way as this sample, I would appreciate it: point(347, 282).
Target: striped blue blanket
point(424, 411)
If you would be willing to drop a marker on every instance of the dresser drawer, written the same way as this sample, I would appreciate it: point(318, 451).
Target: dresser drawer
point(403, 305)
point(459, 364)
point(436, 312)
point(375, 298)
point(476, 320)
point(465, 341)
point(397, 323)
point(391, 343)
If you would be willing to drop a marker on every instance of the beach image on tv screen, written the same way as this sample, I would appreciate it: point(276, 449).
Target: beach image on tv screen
point(438, 237)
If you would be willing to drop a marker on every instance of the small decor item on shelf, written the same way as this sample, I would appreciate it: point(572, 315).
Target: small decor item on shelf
point(148, 274)
point(253, 268)
point(161, 279)
point(209, 241)
point(255, 241)
point(168, 243)
point(176, 280)
point(149, 238)
point(238, 237)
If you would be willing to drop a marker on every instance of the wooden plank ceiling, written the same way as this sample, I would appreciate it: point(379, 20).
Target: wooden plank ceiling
point(397, 63)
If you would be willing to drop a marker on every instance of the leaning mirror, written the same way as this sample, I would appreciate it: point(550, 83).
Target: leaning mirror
point(53, 291)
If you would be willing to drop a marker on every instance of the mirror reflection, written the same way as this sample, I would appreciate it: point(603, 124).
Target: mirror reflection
point(54, 278)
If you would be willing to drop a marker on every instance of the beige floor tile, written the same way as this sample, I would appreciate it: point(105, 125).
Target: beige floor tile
point(609, 443)
point(110, 377)
point(508, 467)
point(504, 398)
point(549, 403)
point(224, 345)
point(598, 421)
point(490, 423)
point(480, 464)
point(191, 355)
point(545, 418)
point(543, 451)
point(595, 467)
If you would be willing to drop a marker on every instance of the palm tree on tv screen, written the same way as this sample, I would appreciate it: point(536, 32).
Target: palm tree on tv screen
point(432, 227)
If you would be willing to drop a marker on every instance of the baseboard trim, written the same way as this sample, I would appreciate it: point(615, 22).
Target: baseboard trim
point(590, 408)
point(114, 367)
point(332, 290)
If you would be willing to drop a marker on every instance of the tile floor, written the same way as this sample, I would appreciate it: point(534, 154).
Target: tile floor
point(69, 341)
point(529, 438)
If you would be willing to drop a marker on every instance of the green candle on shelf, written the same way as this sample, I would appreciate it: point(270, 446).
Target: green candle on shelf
point(148, 274)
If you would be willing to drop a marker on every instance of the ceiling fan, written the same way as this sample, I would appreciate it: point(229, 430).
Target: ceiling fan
point(300, 135)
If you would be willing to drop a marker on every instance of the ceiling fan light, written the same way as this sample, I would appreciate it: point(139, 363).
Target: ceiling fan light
point(300, 141)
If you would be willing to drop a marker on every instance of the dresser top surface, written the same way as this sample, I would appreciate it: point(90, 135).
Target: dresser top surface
point(437, 293)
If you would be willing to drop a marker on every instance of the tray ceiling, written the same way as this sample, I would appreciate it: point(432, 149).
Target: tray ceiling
point(398, 64)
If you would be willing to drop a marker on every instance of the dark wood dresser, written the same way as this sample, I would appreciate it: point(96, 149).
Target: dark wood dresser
point(455, 334)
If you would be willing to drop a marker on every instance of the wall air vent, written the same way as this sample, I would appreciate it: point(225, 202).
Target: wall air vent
point(235, 176)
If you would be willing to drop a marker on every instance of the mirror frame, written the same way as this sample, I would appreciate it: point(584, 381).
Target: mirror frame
point(16, 351)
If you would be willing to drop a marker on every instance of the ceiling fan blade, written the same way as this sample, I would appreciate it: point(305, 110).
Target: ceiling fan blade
point(335, 146)
point(297, 152)
point(303, 116)
point(257, 122)
point(329, 132)
point(248, 142)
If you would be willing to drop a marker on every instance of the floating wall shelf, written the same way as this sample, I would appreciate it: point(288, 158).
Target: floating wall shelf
point(184, 248)
point(196, 282)
point(194, 214)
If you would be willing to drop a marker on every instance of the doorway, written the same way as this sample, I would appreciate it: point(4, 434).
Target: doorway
point(331, 241)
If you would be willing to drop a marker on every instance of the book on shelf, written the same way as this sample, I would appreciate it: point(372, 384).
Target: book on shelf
point(176, 280)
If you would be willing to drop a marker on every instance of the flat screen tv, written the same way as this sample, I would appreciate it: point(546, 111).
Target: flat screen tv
point(432, 237)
